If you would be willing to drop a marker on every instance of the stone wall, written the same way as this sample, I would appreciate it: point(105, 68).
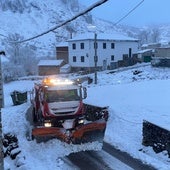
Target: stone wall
point(156, 137)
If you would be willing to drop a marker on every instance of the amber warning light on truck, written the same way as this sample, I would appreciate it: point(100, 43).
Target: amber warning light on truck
point(55, 82)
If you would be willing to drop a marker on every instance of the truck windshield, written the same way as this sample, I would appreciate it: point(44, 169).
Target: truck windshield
point(62, 95)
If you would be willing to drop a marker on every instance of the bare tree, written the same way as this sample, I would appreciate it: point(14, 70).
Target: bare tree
point(13, 48)
point(22, 57)
point(149, 35)
point(155, 35)
point(144, 36)
point(28, 59)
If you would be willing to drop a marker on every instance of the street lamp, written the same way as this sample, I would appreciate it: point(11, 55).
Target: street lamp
point(92, 28)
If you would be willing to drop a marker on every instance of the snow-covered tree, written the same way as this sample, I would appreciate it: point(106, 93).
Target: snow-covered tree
point(22, 57)
point(155, 35)
point(13, 5)
point(28, 59)
point(144, 36)
point(149, 35)
point(11, 72)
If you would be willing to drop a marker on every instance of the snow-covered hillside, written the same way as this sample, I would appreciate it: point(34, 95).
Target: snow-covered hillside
point(130, 97)
point(28, 18)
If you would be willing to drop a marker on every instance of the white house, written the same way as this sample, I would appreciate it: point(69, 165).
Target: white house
point(111, 49)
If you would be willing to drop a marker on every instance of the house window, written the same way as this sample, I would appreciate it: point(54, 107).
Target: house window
point(73, 46)
point(130, 52)
point(104, 45)
point(82, 45)
point(112, 45)
point(74, 59)
point(82, 58)
point(95, 45)
point(112, 57)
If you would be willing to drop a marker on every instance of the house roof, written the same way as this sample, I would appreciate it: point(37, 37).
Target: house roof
point(62, 44)
point(165, 47)
point(4, 59)
point(66, 66)
point(102, 36)
point(150, 44)
point(50, 62)
point(144, 51)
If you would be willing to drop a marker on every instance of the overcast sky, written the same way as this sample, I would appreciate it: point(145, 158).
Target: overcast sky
point(148, 13)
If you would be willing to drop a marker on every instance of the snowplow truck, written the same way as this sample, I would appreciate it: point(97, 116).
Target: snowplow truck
point(59, 112)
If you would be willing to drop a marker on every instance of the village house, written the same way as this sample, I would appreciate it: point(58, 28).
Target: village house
point(62, 51)
point(112, 51)
point(145, 55)
point(49, 67)
point(161, 57)
point(147, 51)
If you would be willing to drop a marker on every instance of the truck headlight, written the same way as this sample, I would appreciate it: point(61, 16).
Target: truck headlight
point(81, 121)
point(47, 124)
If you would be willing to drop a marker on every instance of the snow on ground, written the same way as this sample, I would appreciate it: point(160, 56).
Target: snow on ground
point(131, 99)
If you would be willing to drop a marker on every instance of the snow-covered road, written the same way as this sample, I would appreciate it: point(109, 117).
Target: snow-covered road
point(131, 98)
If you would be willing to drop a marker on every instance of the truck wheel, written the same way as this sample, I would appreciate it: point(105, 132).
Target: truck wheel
point(40, 118)
point(29, 135)
point(34, 116)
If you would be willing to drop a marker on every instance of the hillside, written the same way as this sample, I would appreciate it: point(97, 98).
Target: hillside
point(29, 18)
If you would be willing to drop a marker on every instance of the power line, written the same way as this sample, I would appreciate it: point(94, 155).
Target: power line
point(129, 12)
point(65, 22)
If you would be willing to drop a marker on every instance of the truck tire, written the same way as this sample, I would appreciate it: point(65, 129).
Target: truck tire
point(34, 116)
point(40, 118)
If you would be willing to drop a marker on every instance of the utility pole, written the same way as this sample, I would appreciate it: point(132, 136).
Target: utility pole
point(1, 106)
point(92, 29)
point(95, 58)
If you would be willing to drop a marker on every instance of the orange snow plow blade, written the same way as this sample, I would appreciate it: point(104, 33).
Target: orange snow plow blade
point(90, 132)
point(82, 134)
point(50, 132)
